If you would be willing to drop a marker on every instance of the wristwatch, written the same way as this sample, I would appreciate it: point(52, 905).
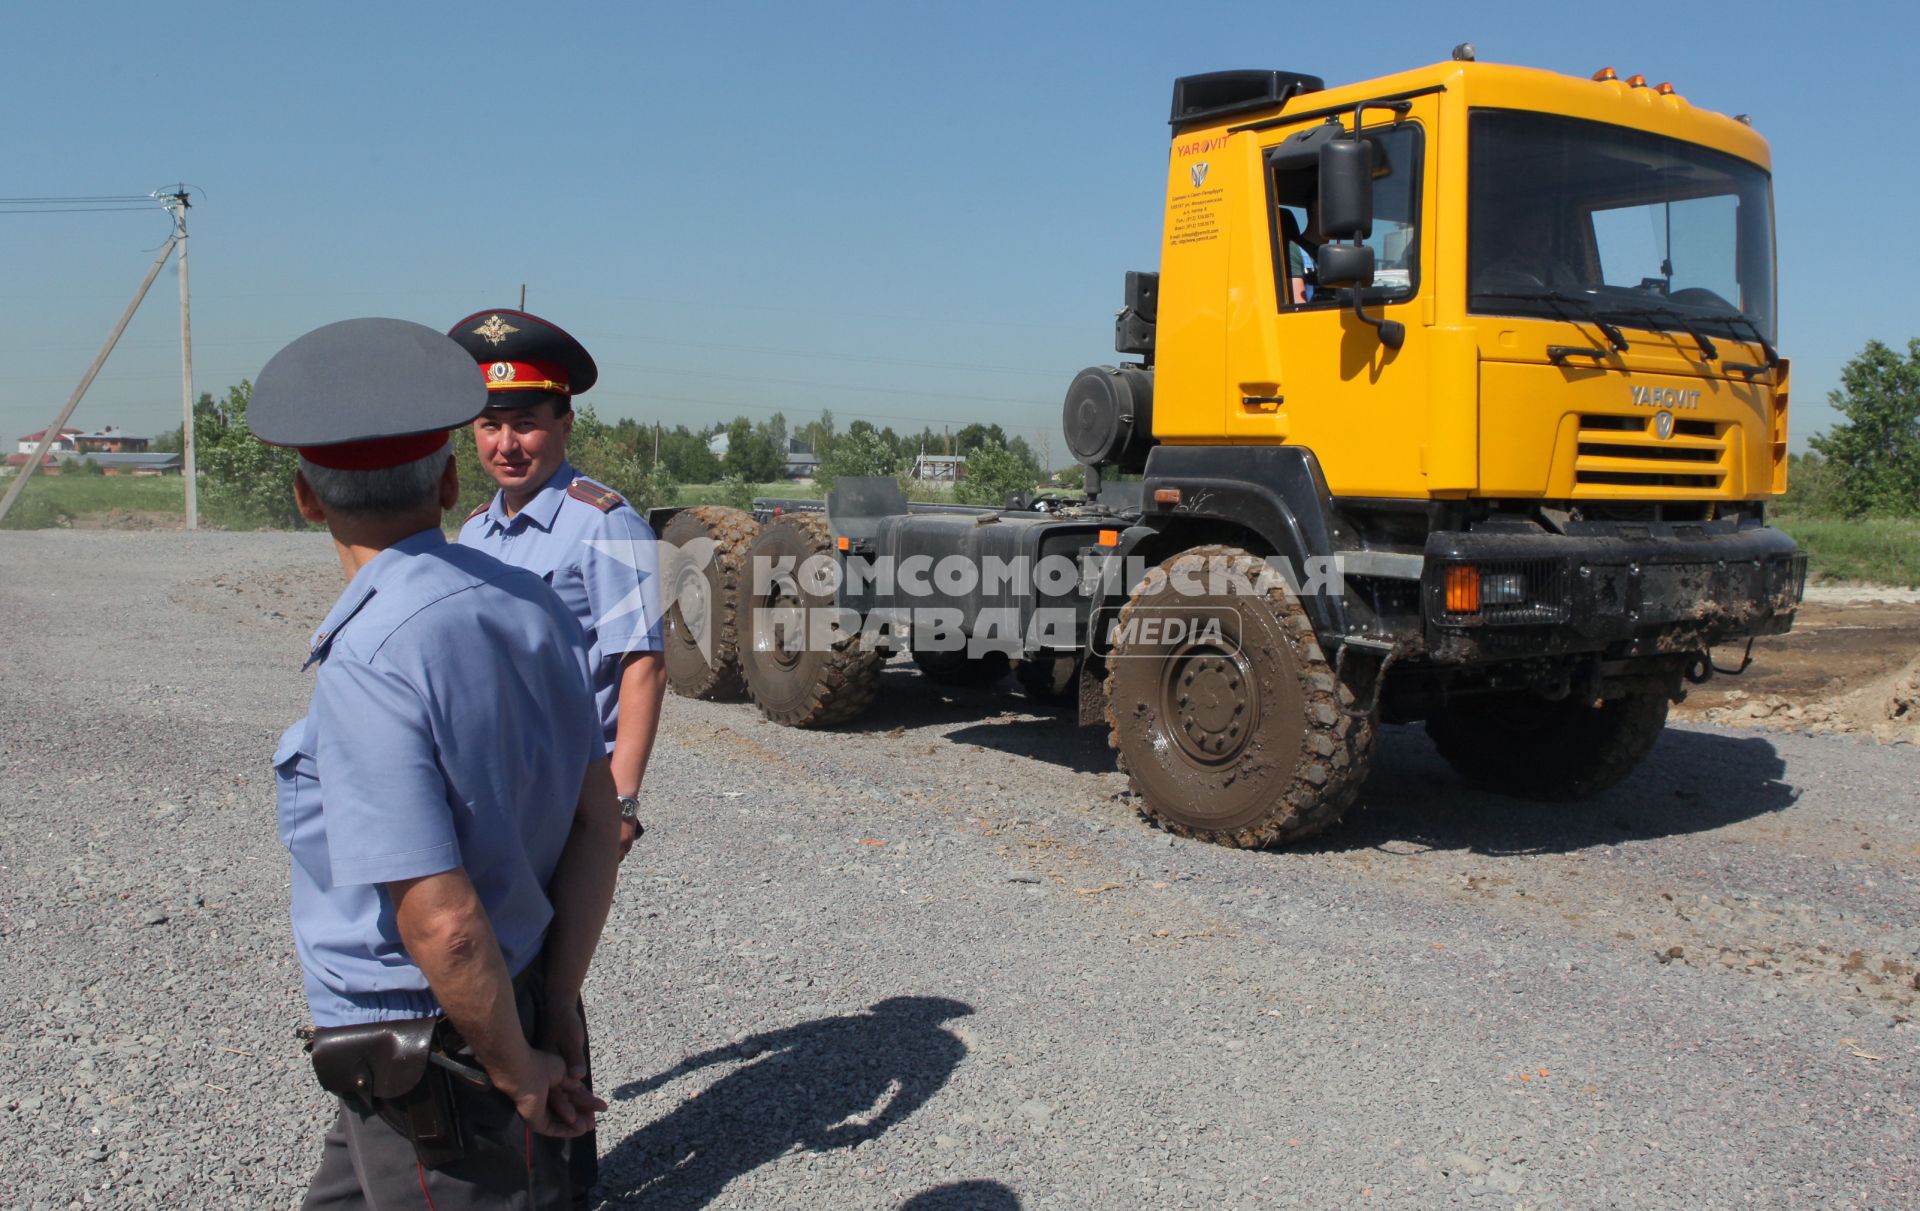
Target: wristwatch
point(630, 810)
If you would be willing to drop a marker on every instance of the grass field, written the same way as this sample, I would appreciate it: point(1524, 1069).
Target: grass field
point(1877, 550)
point(59, 500)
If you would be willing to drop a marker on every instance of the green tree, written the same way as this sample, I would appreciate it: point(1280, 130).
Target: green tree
point(684, 455)
point(476, 486)
point(1875, 454)
point(246, 483)
point(862, 451)
point(993, 471)
point(751, 454)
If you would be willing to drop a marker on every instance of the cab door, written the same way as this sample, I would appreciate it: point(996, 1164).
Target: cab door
point(1301, 368)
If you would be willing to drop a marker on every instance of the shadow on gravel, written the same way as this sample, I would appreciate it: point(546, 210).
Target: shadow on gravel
point(825, 1084)
point(1043, 731)
point(1694, 782)
point(964, 1196)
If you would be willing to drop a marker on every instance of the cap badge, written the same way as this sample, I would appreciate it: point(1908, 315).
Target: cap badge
point(500, 372)
point(496, 330)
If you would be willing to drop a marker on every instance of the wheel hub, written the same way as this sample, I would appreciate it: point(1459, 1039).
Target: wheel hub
point(1210, 705)
point(790, 642)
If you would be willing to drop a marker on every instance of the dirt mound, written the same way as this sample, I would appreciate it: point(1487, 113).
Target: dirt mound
point(1847, 667)
point(1886, 708)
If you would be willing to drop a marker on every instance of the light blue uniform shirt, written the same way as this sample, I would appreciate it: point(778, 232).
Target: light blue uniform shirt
point(599, 556)
point(450, 727)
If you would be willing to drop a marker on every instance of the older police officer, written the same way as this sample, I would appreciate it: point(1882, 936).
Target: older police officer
point(447, 803)
point(582, 536)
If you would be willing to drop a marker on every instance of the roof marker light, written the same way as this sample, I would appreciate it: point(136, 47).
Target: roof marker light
point(1606, 74)
point(1636, 80)
point(1664, 88)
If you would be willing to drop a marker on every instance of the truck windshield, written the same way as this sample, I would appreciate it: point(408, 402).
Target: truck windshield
point(1645, 230)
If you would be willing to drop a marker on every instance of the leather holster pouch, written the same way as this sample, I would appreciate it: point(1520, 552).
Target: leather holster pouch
point(386, 1068)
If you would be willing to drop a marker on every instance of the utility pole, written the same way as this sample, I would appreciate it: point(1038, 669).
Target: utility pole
point(188, 471)
point(523, 296)
point(656, 445)
point(52, 433)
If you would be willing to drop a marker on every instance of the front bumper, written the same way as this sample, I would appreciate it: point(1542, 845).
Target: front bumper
point(1638, 590)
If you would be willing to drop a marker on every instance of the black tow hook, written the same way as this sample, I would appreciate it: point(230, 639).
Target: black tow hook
point(1746, 662)
point(1699, 668)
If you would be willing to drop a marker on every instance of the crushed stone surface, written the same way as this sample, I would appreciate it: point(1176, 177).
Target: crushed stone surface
point(935, 960)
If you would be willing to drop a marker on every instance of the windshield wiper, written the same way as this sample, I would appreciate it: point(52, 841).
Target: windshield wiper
point(1615, 337)
point(1708, 351)
point(1766, 346)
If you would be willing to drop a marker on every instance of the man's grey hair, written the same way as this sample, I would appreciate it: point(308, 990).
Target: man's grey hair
point(402, 489)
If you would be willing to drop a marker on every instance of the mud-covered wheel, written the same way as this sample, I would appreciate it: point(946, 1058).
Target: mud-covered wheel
point(1223, 710)
point(1522, 745)
point(793, 680)
point(710, 577)
point(962, 671)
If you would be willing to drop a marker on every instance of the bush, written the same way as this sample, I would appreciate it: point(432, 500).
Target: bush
point(992, 472)
point(859, 452)
point(246, 483)
point(735, 491)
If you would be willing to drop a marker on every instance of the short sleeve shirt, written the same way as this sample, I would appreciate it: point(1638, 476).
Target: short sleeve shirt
point(599, 555)
point(450, 727)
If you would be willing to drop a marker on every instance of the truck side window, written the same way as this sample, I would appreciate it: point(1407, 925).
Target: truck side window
point(1395, 241)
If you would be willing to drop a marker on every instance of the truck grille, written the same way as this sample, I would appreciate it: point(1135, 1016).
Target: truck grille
point(1625, 451)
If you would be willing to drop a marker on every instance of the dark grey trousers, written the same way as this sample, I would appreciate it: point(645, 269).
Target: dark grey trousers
point(366, 1165)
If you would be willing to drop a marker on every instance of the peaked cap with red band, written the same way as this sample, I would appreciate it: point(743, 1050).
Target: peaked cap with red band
point(362, 395)
point(524, 358)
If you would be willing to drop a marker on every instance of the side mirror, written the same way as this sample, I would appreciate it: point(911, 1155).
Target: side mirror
point(1346, 189)
point(1344, 266)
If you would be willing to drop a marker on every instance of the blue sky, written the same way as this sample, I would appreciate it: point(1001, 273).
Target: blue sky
point(915, 213)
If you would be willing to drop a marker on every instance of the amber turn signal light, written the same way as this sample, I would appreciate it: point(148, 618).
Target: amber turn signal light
point(1605, 74)
point(1463, 590)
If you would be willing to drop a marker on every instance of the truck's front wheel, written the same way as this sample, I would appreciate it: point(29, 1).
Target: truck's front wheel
point(1223, 710)
point(1522, 745)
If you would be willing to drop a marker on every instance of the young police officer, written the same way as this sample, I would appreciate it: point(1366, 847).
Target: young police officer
point(583, 537)
point(447, 803)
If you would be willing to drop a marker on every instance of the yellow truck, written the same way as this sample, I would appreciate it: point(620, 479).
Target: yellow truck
point(1456, 400)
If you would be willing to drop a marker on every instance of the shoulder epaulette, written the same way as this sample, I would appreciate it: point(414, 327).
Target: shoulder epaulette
point(599, 496)
point(477, 512)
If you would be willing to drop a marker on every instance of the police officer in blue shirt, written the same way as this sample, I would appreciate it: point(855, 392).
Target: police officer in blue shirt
point(583, 537)
point(446, 802)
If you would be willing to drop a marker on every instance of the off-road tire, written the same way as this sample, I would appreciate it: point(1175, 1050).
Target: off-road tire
point(961, 671)
point(723, 580)
point(1301, 754)
point(808, 688)
point(1554, 752)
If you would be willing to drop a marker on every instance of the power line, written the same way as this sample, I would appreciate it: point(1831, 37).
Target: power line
point(117, 197)
point(73, 209)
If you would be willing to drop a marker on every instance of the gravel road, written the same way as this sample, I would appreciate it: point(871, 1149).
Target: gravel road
point(935, 961)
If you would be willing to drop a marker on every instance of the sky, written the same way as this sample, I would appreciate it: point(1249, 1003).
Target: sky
point(918, 214)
